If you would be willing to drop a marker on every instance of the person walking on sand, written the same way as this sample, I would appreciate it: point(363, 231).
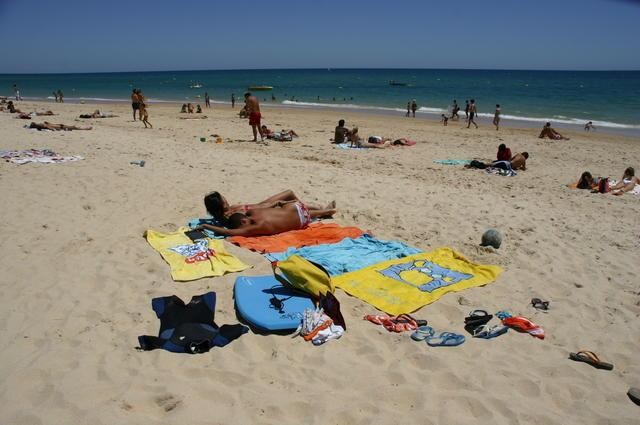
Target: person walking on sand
point(144, 115)
point(496, 117)
point(135, 103)
point(414, 107)
point(466, 110)
point(55, 95)
point(60, 96)
point(233, 100)
point(472, 113)
point(207, 100)
point(253, 108)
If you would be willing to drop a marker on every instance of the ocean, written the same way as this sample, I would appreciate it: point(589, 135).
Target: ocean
point(611, 99)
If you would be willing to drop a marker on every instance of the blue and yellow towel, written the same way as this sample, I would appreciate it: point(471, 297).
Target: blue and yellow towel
point(193, 260)
point(406, 284)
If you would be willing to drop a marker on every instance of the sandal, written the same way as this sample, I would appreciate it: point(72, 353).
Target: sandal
point(591, 358)
point(422, 333)
point(522, 324)
point(538, 304)
point(445, 339)
point(488, 332)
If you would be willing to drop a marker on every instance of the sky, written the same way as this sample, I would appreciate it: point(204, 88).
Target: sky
point(43, 36)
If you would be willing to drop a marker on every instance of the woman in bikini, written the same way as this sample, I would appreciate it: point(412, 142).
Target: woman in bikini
point(628, 183)
point(219, 208)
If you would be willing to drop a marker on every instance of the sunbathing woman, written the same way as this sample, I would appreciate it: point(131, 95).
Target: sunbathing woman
point(628, 183)
point(550, 133)
point(219, 208)
point(282, 135)
point(56, 127)
point(97, 114)
point(356, 141)
point(587, 181)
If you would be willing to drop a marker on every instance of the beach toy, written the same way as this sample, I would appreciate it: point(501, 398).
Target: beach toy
point(263, 302)
point(140, 163)
point(491, 238)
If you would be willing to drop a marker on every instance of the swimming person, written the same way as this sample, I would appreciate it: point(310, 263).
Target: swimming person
point(270, 221)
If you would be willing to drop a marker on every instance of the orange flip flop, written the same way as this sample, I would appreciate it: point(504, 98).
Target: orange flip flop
point(591, 358)
point(523, 324)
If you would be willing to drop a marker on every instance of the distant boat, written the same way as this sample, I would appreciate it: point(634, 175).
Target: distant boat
point(260, 88)
point(397, 83)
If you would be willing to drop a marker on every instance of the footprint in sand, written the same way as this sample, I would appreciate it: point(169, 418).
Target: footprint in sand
point(167, 402)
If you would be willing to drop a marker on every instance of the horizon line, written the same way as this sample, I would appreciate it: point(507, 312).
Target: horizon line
point(317, 69)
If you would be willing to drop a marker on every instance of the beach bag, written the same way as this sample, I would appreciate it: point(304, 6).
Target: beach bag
point(603, 186)
point(304, 276)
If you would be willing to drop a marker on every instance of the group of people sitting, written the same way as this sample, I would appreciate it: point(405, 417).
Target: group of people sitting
point(279, 213)
point(343, 135)
point(187, 108)
point(629, 183)
point(504, 160)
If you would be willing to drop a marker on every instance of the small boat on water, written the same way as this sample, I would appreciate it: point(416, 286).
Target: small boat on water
point(397, 83)
point(260, 88)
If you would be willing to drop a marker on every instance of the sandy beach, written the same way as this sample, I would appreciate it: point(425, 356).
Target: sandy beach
point(78, 276)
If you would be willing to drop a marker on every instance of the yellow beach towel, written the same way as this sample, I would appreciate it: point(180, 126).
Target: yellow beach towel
point(406, 284)
point(193, 260)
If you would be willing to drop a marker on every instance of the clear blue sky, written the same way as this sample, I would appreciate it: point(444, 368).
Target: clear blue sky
point(116, 35)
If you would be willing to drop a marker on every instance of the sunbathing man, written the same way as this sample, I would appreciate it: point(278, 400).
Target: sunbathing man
point(282, 135)
point(628, 182)
point(357, 142)
point(56, 127)
point(219, 208)
point(550, 133)
point(270, 221)
point(518, 162)
point(98, 114)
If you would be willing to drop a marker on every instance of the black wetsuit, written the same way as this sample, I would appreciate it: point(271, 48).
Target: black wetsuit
point(189, 328)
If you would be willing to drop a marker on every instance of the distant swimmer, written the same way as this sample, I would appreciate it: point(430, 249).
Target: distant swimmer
point(253, 108)
point(496, 117)
point(472, 113)
point(589, 126)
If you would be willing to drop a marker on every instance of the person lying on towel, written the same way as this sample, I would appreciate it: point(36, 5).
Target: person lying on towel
point(269, 221)
point(218, 207)
point(55, 127)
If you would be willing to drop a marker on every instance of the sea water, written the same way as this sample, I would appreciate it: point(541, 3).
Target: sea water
point(611, 99)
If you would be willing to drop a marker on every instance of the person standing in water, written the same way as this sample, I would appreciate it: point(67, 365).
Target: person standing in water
point(408, 109)
point(496, 117)
point(472, 113)
point(60, 96)
point(414, 107)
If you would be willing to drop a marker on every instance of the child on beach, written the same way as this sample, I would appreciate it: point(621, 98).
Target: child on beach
point(496, 117)
point(144, 115)
point(444, 120)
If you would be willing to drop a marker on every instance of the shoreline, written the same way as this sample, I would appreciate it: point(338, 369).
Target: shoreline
point(484, 119)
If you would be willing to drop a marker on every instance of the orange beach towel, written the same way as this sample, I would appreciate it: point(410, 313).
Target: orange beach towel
point(315, 234)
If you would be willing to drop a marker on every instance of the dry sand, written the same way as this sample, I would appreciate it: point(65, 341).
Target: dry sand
point(78, 277)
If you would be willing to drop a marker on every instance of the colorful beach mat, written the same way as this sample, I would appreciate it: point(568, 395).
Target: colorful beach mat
point(193, 260)
point(315, 234)
point(452, 161)
point(349, 254)
point(404, 285)
point(45, 156)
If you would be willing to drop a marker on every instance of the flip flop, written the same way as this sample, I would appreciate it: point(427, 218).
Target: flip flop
point(538, 304)
point(445, 339)
point(522, 324)
point(590, 358)
point(634, 395)
point(486, 332)
point(422, 333)
point(477, 318)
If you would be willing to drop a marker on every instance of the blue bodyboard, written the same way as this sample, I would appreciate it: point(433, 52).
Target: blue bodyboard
point(264, 303)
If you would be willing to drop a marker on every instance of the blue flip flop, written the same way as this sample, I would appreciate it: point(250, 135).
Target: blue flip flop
point(445, 339)
point(422, 333)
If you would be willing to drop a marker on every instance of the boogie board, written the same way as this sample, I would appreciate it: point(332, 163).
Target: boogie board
point(264, 303)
